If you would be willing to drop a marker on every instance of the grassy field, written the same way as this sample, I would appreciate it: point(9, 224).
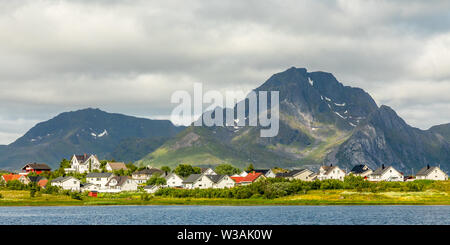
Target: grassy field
point(316, 197)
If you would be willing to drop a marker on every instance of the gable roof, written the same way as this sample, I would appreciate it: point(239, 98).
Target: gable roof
point(359, 169)
point(83, 158)
point(168, 176)
point(117, 165)
point(381, 170)
point(262, 171)
point(9, 177)
point(150, 171)
point(98, 175)
point(216, 177)
point(35, 179)
point(120, 180)
point(328, 169)
point(37, 166)
point(63, 179)
point(192, 178)
point(249, 178)
point(426, 170)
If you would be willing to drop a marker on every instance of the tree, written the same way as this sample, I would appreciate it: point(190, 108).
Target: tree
point(166, 169)
point(226, 169)
point(250, 168)
point(184, 170)
point(64, 164)
point(131, 167)
point(156, 179)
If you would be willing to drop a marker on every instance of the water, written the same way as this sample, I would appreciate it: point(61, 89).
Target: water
point(220, 215)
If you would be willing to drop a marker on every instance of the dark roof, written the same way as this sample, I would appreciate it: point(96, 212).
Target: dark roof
point(150, 171)
point(98, 175)
point(262, 171)
point(150, 186)
point(359, 169)
point(215, 177)
point(381, 170)
point(62, 179)
point(192, 178)
point(120, 180)
point(426, 170)
point(35, 179)
point(291, 173)
point(83, 158)
point(37, 166)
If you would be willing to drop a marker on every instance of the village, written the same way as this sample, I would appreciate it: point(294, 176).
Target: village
point(110, 178)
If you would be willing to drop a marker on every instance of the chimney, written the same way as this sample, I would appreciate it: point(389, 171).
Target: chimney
point(331, 165)
point(382, 166)
point(428, 166)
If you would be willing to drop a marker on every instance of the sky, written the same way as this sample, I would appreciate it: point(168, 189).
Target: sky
point(130, 56)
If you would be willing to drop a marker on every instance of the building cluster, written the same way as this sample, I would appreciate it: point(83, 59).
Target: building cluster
point(108, 182)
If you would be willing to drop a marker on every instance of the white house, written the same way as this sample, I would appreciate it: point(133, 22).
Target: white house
point(197, 181)
point(173, 180)
point(431, 173)
point(386, 174)
point(143, 175)
point(331, 172)
point(208, 171)
point(99, 179)
point(361, 170)
point(120, 183)
point(67, 183)
point(115, 166)
point(83, 163)
point(297, 174)
point(221, 181)
point(89, 187)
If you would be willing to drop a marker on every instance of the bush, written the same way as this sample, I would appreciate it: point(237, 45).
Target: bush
point(76, 195)
point(146, 197)
point(1, 195)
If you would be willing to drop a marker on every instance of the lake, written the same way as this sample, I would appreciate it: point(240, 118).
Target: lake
point(226, 215)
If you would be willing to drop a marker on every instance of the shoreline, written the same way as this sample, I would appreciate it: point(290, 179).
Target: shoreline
point(18, 198)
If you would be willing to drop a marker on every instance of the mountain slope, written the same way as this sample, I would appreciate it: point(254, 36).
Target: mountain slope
point(385, 138)
point(89, 130)
point(442, 130)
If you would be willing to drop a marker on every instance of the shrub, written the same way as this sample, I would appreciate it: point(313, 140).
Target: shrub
point(75, 195)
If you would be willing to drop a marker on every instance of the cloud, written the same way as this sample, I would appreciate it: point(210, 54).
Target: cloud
point(129, 56)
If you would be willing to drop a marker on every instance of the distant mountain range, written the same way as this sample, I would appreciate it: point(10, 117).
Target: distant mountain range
point(321, 121)
point(109, 135)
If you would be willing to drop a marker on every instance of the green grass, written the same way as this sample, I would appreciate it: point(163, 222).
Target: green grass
point(316, 197)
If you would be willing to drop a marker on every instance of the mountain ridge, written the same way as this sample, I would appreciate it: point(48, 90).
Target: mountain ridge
point(81, 131)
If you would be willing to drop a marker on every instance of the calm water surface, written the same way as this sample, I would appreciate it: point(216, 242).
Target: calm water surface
point(219, 215)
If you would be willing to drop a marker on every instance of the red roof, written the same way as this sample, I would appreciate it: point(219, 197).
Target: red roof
point(9, 177)
point(251, 177)
point(43, 182)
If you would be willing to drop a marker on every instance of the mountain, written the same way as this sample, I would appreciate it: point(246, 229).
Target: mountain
point(442, 131)
point(387, 138)
point(321, 122)
point(82, 131)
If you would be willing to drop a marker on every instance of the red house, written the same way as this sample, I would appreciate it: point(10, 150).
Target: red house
point(36, 168)
point(250, 178)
